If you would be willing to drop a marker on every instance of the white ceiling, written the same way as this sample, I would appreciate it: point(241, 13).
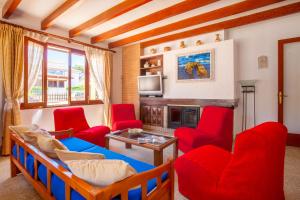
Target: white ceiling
point(30, 13)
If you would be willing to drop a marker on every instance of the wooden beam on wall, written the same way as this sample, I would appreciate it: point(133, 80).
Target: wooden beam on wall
point(47, 22)
point(192, 21)
point(154, 17)
point(257, 17)
point(9, 7)
point(109, 14)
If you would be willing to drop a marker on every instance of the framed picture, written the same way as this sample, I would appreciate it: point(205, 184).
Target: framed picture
point(196, 66)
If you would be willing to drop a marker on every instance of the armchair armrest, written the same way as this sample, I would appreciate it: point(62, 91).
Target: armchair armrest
point(203, 168)
point(68, 132)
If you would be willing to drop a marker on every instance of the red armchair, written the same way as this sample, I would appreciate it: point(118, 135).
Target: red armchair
point(253, 172)
point(73, 117)
point(215, 127)
point(123, 116)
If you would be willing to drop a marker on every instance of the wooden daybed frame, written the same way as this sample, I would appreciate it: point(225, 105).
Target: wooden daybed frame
point(164, 190)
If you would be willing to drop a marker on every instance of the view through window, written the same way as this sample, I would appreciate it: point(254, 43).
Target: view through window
point(57, 76)
point(77, 77)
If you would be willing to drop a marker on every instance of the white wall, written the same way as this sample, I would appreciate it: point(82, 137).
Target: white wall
point(253, 41)
point(220, 87)
point(44, 117)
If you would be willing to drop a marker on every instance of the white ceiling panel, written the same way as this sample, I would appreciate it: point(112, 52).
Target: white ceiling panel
point(132, 15)
point(83, 11)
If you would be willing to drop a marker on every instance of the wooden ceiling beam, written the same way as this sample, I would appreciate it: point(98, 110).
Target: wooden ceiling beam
point(154, 17)
point(241, 21)
point(47, 22)
point(109, 14)
point(198, 19)
point(9, 7)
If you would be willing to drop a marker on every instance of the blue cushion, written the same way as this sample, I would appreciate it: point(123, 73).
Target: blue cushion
point(75, 144)
point(29, 161)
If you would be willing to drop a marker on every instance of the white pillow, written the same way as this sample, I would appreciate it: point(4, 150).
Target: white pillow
point(101, 172)
point(46, 143)
point(31, 136)
point(65, 155)
point(20, 129)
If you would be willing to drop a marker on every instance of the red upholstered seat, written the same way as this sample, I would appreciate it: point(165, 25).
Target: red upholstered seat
point(215, 127)
point(73, 117)
point(94, 135)
point(254, 171)
point(123, 116)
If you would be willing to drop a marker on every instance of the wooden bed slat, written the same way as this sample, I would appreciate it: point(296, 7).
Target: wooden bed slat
point(35, 165)
point(144, 190)
point(48, 181)
point(67, 192)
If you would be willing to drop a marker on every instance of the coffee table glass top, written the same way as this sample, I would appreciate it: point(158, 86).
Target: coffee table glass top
point(143, 137)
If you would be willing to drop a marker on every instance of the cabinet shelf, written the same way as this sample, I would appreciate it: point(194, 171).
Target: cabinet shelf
point(152, 60)
point(156, 67)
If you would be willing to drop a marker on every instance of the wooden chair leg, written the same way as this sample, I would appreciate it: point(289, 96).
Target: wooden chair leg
point(128, 146)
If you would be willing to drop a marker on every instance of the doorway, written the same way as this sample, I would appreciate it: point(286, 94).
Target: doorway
point(289, 87)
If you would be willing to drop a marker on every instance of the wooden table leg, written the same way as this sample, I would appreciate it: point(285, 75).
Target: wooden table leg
point(128, 146)
point(158, 157)
point(107, 142)
point(175, 150)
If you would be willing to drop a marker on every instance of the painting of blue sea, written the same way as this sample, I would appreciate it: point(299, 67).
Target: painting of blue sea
point(196, 66)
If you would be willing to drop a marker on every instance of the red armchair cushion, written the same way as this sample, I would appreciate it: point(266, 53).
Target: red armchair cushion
point(257, 167)
point(66, 118)
point(120, 125)
point(95, 135)
point(122, 112)
point(253, 171)
point(73, 117)
point(123, 117)
point(205, 165)
point(214, 128)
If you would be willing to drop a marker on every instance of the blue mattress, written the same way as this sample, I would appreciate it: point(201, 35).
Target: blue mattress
point(75, 144)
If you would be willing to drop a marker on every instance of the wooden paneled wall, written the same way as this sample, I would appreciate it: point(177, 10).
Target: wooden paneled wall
point(130, 72)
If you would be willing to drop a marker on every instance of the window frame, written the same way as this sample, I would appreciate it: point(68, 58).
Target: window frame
point(43, 104)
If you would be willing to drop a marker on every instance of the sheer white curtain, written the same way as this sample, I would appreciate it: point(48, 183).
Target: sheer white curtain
point(35, 57)
point(100, 63)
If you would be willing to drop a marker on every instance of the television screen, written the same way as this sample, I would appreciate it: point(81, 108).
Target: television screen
point(150, 85)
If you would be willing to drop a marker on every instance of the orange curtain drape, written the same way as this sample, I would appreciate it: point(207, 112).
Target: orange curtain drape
point(107, 57)
point(11, 63)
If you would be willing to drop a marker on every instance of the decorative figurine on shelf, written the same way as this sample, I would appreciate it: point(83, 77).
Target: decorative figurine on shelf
point(153, 65)
point(167, 49)
point(218, 38)
point(199, 42)
point(148, 73)
point(146, 65)
point(153, 51)
point(158, 63)
point(182, 45)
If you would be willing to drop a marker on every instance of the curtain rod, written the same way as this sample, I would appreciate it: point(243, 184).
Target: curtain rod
point(58, 36)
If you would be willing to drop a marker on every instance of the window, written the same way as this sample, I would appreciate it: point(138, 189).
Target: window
point(62, 76)
point(78, 80)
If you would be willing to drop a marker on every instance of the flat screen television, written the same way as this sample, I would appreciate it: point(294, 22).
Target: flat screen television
point(150, 85)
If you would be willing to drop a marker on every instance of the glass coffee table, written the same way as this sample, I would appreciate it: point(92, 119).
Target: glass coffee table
point(156, 142)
